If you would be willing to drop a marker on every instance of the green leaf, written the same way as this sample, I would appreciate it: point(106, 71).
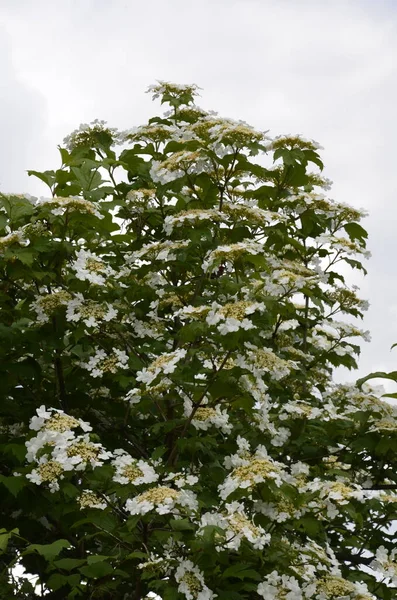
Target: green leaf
point(68, 564)
point(49, 551)
point(47, 176)
point(240, 571)
point(182, 525)
point(91, 560)
point(356, 232)
point(13, 483)
point(377, 374)
point(5, 537)
point(97, 570)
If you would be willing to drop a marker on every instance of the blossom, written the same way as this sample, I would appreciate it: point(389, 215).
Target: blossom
point(102, 363)
point(204, 417)
point(252, 470)
point(163, 500)
point(79, 452)
point(89, 499)
point(237, 526)
point(89, 311)
point(385, 563)
point(48, 471)
point(131, 470)
point(190, 218)
point(165, 363)
point(232, 252)
point(260, 360)
point(60, 205)
point(280, 587)
point(191, 582)
point(46, 304)
point(232, 316)
point(89, 267)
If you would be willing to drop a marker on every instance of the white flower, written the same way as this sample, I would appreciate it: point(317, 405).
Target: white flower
point(89, 311)
point(131, 470)
point(89, 267)
point(165, 363)
point(191, 582)
point(163, 500)
point(102, 363)
point(72, 203)
point(205, 417)
point(276, 586)
point(77, 453)
point(386, 564)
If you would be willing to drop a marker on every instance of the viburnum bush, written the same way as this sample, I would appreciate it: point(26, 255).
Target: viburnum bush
point(171, 317)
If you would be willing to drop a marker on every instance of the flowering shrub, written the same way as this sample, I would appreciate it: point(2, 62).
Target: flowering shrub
point(170, 321)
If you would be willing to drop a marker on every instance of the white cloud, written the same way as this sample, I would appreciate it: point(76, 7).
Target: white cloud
point(22, 120)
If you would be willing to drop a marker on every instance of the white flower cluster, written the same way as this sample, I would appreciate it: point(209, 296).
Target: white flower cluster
point(102, 363)
point(163, 251)
point(131, 470)
point(180, 164)
point(90, 267)
point(163, 500)
point(232, 252)
point(15, 237)
point(60, 205)
point(190, 218)
point(206, 417)
point(56, 448)
point(263, 420)
point(341, 244)
point(263, 360)
point(88, 311)
point(250, 470)
point(331, 495)
point(191, 582)
point(386, 564)
point(89, 499)
point(165, 363)
point(173, 89)
point(233, 316)
point(46, 304)
point(237, 526)
point(275, 587)
point(331, 587)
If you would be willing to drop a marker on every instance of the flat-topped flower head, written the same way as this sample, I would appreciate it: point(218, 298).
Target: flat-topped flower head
point(45, 305)
point(191, 582)
point(95, 134)
point(335, 587)
point(163, 500)
point(131, 470)
point(89, 499)
point(91, 312)
point(80, 452)
point(61, 205)
point(250, 472)
point(56, 420)
point(89, 267)
point(385, 563)
point(15, 237)
point(230, 253)
point(48, 472)
point(165, 363)
point(175, 94)
point(102, 363)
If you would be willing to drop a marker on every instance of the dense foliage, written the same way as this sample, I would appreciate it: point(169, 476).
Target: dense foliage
point(170, 320)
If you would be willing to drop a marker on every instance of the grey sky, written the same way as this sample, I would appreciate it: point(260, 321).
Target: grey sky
point(325, 69)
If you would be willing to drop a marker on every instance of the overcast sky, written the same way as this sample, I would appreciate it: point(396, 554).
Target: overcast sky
point(325, 69)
